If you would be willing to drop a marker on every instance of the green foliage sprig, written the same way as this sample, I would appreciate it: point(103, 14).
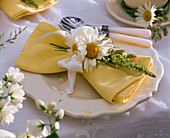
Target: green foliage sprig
point(119, 59)
point(32, 3)
point(13, 36)
point(157, 30)
point(60, 48)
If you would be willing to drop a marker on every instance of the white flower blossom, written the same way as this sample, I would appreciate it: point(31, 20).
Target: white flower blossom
point(73, 40)
point(35, 129)
point(59, 114)
point(145, 14)
point(15, 75)
point(25, 135)
point(51, 106)
point(17, 94)
point(87, 46)
point(7, 111)
point(22, 135)
point(39, 104)
point(56, 125)
point(96, 46)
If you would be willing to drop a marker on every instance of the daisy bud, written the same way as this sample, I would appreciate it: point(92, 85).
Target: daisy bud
point(40, 104)
point(56, 125)
point(59, 115)
point(51, 106)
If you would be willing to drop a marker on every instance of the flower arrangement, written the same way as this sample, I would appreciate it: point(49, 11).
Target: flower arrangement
point(11, 102)
point(86, 49)
point(150, 16)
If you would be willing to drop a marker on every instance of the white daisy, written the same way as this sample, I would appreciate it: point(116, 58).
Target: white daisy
point(73, 40)
point(145, 14)
point(94, 45)
point(86, 45)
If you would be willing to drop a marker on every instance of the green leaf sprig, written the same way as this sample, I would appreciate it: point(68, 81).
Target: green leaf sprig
point(13, 36)
point(157, 30)
point(60, 48)
point(119, 59)
point(31, 3)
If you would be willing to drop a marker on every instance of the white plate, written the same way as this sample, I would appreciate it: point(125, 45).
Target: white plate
point(115, 9)
point(86, 102)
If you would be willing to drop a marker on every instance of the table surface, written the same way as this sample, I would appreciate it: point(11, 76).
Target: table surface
point(148, 119)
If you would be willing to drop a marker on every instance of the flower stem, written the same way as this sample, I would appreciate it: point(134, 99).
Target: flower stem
point(49, 115)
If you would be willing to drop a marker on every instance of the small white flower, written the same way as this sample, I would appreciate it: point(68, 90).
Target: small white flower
point(7, 111)
point(15, 75)
point(34, 127)
point(145, 14)
point(59, 114)
point(51, 106)
point(17, 94)
point(56, 125)
point(73, 40)
point(40, 104)
point(22, 135)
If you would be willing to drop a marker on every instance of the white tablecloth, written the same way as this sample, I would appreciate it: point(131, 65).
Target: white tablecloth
point(149, 119)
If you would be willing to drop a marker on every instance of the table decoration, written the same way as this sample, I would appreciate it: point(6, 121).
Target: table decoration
point(154, 16)
point(46, 61)
point(16, 9)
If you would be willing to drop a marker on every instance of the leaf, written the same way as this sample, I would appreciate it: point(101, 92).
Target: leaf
point(60, 47)
point(53, 135)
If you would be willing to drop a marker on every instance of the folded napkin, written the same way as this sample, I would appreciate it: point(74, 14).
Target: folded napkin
point(17, 9)
point(114, 85)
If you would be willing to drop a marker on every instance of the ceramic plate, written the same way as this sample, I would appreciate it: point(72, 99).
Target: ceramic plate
point(86, 102)
point(115, 9)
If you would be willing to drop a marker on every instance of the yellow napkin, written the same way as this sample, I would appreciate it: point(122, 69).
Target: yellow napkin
point(114, 85)
point(17, 9)
point(117, 85)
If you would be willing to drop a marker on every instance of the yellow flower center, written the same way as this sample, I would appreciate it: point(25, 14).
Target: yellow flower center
point(92, 50)
point(74, 48)
point(147, 15)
